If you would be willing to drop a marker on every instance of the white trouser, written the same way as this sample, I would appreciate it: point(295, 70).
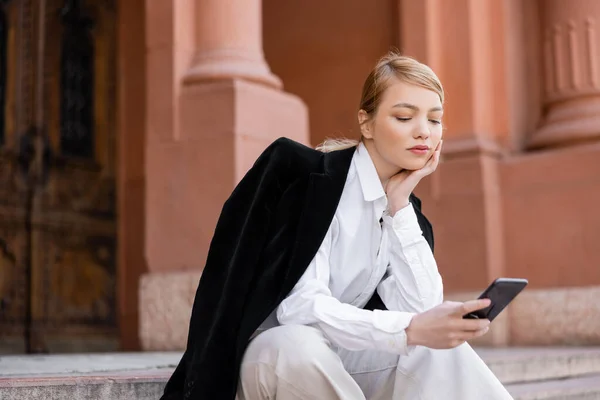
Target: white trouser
point(295, 362)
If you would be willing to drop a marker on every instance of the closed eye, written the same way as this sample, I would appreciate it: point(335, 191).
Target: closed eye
point(402, 119)
point(435, 121)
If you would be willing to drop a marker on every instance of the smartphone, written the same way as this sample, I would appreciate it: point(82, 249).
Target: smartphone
point(501, 292)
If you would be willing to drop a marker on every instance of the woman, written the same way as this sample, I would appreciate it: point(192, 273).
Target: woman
point(333, 248)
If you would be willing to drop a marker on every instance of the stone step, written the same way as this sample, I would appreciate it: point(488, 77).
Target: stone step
point(149, 385)
point(71, 364)
point(519, 365)
point(578, 388)
point(118, 376)
point(529, 373)
point(114, 385)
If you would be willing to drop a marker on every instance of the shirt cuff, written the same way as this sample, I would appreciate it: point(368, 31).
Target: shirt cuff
point(405, 225)
point(393, 325)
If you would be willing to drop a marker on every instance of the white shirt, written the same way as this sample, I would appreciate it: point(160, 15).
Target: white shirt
point(358, 256)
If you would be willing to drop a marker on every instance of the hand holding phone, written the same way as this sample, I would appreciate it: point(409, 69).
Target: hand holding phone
point(442, 327)
point(451, 323)
point(501, 292)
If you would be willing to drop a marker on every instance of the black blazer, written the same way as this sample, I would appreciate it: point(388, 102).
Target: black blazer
point(269, 230)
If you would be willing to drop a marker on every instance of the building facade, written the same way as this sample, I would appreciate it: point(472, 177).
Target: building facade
point(517, 190)
point(203, 86)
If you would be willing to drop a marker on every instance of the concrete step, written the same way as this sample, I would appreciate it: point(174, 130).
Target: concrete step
point(529, 373)
point(118, 376)
point(578, 388)
point(115, 385)
point(73, 364)
point(520, 364)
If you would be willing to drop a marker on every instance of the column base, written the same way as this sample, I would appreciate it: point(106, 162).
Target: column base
point(166, 301)
point(537, 317)
point(228, 65)
point(552, 317)
point(569, 122)
point(222, 128)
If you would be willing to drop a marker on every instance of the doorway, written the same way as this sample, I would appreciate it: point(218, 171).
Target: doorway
point(57, 176)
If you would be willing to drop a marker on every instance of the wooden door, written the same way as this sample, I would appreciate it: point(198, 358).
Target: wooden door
point(57, 176)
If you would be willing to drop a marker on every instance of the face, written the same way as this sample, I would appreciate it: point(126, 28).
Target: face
point(405, 129)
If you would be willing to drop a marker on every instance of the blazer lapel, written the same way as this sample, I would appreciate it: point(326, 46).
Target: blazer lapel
point(322, 198)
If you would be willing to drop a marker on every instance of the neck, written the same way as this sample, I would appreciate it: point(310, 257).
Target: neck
point(385, 170)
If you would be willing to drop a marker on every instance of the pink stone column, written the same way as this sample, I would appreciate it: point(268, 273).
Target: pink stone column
point(213, 107)
point(464, 43)
point(570, 49)
point(229, 42)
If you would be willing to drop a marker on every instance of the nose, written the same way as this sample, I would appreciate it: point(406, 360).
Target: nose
point(422, 130)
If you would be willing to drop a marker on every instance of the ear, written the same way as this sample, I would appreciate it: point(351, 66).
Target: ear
point(365, 124)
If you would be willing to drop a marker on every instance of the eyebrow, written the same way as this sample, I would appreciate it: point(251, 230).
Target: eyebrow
point(413, 107)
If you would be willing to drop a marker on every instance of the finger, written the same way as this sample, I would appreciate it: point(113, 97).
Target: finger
point(473, 305)
point(429, 166)
point(436, 160)
point(482, 332)
point(474, 334)
point(435, 157)
point(472, 325)
point(438, 150)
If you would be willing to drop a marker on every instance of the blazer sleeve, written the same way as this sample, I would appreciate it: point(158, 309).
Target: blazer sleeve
point(234, 250)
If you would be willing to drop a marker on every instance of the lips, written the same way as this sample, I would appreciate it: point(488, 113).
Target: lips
point(422, 148)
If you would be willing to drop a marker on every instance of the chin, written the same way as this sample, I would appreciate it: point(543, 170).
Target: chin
point(413, 166)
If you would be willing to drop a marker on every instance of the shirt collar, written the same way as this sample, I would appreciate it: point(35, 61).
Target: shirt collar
point(367, 175)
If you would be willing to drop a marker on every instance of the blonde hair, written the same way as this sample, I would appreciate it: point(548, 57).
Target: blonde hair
point(392, 65)
point(330, 145)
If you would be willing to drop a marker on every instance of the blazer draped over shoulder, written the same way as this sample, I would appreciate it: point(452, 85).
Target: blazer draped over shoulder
point(268, 232)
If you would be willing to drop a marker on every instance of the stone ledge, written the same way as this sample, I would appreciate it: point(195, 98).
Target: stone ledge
point(563, 316)
point(545, 317)
point(165, 304)
point(549, 317)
